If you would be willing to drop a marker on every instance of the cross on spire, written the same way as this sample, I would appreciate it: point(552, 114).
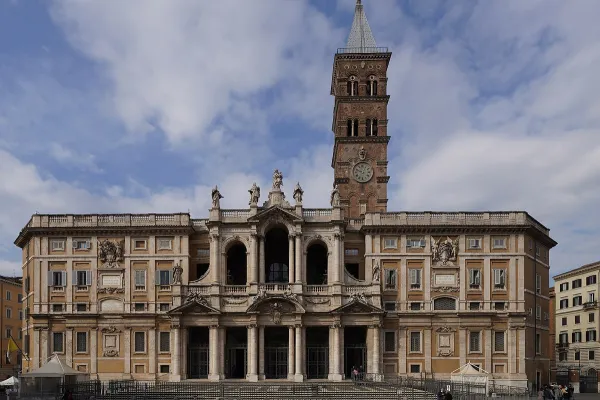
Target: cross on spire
point(361, 38)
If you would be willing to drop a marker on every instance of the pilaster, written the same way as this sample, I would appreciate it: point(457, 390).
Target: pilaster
point(291, 259)
point(299, 264)
point(291, 354)
point(337, 267)
point(463, 344)
point(402, 332)
point(427, 350)
point(376, 349)
point(215, 257)
point(487, 290)
point(261, 264)
point(45, 346)
point(127, 350)
point(70, 278)
point(253, 261)
point(261, 352)
point(488, 349)
point(93, 351)
point(512, 351)
point(299, 376)
point(69, 348)
point(152, 351)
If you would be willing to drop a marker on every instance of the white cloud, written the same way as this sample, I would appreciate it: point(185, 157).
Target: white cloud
point(65, 156)
point(10, 268)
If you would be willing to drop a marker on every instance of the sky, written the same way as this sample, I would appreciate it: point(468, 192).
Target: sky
point(143, 106)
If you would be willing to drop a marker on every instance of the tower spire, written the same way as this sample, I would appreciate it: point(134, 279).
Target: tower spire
point(361, 38)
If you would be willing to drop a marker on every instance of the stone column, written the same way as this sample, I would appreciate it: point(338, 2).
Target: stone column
point(336, 258)
point(93, 351)
point(213, 353)
point(291, 355)
point(291, 273)
point(152, 351)
point(252, 375)
point(253, 260)
point(127, 350)
point(221, 342)
point(298, 258)
point(299, 376)
point(334, 372)
point(69, 346)
point(261, 264)
point(185, 339)
point(215, 257)
point(376, 349)
point(176, 355)
point(261, 352)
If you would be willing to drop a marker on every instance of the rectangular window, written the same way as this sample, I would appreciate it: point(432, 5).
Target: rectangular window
point(8, 313)
point(81, 244)
point(8, 295)
point(415, 242)
point(499, 306)
point(389, 305)
point(140, 279)
point(164, 307)
point(20, 315)
point(576, 337)
point(499, 342)
point(140, 342)
point(351, 252)
point(140, 307)
point(57, 342)
point(499, 243)
point(415, 278)
point(164, 244)
point(591, 355)
point(389, 341)
point(538, 343)
point(590, 280)
point(499, 278)
point(139, 244)
point(562, 356)
point(204, 253)
point(577, 356)
point(57, 245)
point(576, 284)
point(57, 278)
point(563, 338)
point(590, 336)
point(390, 243)
point(415, 306)
point(474, 341)
point(8, 333)
point(81, 342)
point(474, 244)
point(57, 307)
point(474, 305)
point(165, 342)
point(564, 321)
point(390, 278)
point(564, 303)
point(20, 298)
point(26, 344)
point(82, 278)
point(591, 317)
point(564, 286)
point(81, 307)
point(538, 283)
point(415, 342)
point(577, 319)
point(163, 277)
point(591, 297)
point(164, 368)
point(538, 312)
point(577, 301)
point(415, 368)
point(474, 278)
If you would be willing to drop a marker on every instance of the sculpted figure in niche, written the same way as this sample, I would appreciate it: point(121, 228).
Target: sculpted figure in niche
point(277, 180)
point(254, 194)
point(445, 251)
point(335, 197)
point(216, 198)
point(110, 253)
point(177, 271)
point(376, 272)
point(298, 192)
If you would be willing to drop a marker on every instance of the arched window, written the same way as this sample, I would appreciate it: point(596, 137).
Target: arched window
point(444, 304)
point(372, 86)
point(352, 86)
point(352, 127)
point(371, 129)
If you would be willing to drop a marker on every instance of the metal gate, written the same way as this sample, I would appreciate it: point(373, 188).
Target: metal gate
point(236, 362)
point(355, 355)
point(276, 362)
point(198, 362)
point(317, 362)
point(562, 377)
point(588, 382)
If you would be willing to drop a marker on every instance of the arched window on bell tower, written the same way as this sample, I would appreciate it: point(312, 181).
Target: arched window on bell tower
point(352, 127)
point(352, 86)
point(372, 86)
point(371, 129)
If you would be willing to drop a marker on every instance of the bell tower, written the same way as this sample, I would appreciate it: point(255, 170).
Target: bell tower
point(359, 84)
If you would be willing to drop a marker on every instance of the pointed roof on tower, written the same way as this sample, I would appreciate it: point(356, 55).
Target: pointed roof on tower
point(361, 38)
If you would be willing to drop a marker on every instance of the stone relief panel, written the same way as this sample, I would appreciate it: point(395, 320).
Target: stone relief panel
point(444, 252)
point(111, 306)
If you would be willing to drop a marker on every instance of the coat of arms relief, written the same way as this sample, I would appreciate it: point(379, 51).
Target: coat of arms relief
point(110, 253)
point(444, 252)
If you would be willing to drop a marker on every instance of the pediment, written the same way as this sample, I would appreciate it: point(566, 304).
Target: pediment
point(287, 304)
point(275, 213)
point(197, 306)
point(357, 307)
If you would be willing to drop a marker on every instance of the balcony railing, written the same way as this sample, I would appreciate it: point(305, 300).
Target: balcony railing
point(316, 289)
point(234, 289)
point(274, 287)
point(562, 345)
point(351, 50)
point(590, 304)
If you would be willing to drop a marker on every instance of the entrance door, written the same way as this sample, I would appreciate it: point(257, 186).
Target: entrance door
point(235, 362)
point(276, 362)
point(562, 377)
point(198, 362)
point(355, 356)
point(588, 382)
point(317, 362)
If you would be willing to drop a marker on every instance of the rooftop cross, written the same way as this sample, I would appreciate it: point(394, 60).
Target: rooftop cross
point(361, 38)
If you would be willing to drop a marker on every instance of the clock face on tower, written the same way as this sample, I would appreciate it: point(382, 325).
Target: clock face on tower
point(362, 172)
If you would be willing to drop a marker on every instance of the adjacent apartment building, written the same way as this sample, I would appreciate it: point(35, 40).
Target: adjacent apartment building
point(11, 319)
point(280, 291)
point(576, 327)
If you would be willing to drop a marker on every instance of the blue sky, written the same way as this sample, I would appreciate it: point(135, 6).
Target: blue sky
point(135, 106)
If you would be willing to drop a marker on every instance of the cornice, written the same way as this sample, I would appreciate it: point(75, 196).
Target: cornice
point(595, 266)
point(441, 229)
point(363, 56)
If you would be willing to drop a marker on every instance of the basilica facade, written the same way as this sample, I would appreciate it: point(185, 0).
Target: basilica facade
point(280, 291)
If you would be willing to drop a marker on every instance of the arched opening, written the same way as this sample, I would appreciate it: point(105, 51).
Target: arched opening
point(371, 127)
point(237, 265)
point(372, 86)
point(276, 256)
point(352, 86)
point(444, 304)
point(352, 127)
point(316, 263)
